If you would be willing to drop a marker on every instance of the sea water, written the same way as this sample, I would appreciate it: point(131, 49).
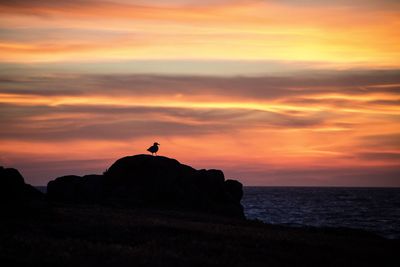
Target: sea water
point(372, 209)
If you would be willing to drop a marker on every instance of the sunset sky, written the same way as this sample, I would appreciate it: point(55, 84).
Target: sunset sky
point(273, 92)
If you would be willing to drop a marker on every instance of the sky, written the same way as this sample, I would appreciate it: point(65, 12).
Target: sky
point(274, 93)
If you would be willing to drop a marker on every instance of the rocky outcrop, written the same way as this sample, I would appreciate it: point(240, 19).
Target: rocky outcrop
point(75, 189)
point(144, 180)
point(15, 195)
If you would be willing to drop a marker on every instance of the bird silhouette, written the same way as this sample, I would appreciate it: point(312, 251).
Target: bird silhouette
point(154, 148)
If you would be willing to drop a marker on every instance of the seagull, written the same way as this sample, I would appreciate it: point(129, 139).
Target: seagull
point(154, 148)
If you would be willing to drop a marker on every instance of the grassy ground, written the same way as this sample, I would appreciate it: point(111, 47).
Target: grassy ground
point(101, 236)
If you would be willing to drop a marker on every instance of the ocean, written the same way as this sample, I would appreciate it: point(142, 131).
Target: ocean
point(375, 210)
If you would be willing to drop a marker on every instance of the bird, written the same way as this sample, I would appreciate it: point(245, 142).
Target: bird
point(154, 148)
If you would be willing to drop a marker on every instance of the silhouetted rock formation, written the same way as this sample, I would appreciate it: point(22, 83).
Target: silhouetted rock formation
point(144, 180)
point(72, 188)
point(15, 195)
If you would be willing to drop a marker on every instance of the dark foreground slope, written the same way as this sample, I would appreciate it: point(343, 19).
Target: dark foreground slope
point(131, 216)
point(92, 235)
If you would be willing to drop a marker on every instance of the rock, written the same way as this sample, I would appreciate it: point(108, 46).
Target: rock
point(153, 181)
point(15, 195)
point(76, 189)
point(235, 189)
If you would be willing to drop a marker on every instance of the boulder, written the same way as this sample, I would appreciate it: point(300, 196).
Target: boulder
point(153, 181)
point(15, 195)
point(76, 189)
point(234, 189)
